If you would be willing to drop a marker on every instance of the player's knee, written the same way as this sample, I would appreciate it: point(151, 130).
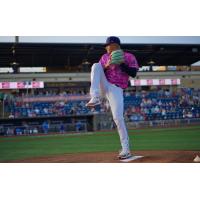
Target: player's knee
point(95, 66)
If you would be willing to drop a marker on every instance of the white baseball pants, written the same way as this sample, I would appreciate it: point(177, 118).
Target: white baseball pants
point(101, 87)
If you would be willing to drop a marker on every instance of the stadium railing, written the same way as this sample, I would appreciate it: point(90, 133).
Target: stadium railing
point(37, 130)
point(109, 125)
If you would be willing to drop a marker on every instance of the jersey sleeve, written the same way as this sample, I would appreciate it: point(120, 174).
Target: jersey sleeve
point(132, 61)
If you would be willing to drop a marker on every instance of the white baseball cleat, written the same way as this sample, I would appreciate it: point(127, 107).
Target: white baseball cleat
point(132, 158)
point(94, 101)
point(124, 154)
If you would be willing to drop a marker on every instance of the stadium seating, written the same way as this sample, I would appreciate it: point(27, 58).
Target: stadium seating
point(139, 106)
point(169, 106)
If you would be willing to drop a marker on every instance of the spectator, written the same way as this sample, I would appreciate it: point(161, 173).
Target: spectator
point(163, 113)
point(9, 131)
point(35, 130)
point(37, 111)
point(62, 128)
point(18, 131)
point(45, 127)
point(11, 116)
point(78, 126)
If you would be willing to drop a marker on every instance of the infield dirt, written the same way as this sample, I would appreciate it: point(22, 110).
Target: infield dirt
point(111, 157)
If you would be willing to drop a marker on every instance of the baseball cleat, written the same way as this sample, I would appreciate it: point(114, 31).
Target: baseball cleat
point(124, 155)
point(94, 101)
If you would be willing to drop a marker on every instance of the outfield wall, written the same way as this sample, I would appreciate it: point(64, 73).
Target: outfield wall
point(99, 125)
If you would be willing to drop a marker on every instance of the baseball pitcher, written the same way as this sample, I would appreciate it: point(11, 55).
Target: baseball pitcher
point(108, 78)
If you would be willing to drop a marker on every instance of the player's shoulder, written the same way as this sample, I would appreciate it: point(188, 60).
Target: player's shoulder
point(129, 55)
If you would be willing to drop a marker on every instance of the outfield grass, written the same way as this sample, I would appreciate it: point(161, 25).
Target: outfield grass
point(13, 148)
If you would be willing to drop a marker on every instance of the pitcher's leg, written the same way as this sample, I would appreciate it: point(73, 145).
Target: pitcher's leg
point(99, 84)
point(116, 100)
point(98, 80)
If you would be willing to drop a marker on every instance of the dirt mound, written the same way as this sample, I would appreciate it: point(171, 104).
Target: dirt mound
point(111, 157)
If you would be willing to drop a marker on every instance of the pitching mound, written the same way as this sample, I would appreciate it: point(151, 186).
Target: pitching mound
point(111, 157)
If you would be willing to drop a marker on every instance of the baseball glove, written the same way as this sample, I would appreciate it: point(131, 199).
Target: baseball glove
point(117, 57)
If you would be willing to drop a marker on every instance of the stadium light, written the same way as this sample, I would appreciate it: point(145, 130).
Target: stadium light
point(151, 62)
point(86, 62)
point(15, 64)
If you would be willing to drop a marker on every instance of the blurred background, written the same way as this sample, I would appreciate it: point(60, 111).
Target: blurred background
point(44, 84)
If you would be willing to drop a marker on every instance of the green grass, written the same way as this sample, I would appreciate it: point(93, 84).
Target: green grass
point(185, 138)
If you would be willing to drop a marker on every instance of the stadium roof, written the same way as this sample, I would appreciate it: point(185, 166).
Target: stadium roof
point(74, 54)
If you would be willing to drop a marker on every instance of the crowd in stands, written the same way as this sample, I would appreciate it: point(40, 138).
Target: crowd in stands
point(139, 105)
point(20, 109)
point(162, 105)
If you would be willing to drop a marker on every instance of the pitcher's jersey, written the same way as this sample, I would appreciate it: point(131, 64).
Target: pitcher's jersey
point(114, 74)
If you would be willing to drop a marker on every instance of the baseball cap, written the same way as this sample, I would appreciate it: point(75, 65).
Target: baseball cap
point(111, 40)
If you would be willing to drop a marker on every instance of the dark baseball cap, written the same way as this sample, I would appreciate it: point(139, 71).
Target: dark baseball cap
point(112, 40)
